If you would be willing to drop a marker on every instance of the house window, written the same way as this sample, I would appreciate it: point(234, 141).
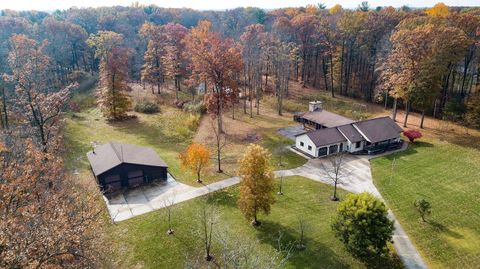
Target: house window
point(357, 145)
point(309, 147)
point(322, 151)
point(302, 144)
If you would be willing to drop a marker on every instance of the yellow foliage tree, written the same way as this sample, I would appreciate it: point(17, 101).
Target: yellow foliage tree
point(311, 9)
point(335, 9)
point(195, 158)
point(438, 10)
point(257, 184)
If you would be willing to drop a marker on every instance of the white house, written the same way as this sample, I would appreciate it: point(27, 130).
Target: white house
point(370, 136)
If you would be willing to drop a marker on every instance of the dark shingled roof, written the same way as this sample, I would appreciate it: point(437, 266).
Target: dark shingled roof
point(379, 129)
point(325, 118)
point(327, 136)
point(112, 154)
point(350, 133)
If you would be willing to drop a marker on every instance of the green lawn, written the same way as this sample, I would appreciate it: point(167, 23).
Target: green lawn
point(448, 176)
point(143, 242)
point(169, 133)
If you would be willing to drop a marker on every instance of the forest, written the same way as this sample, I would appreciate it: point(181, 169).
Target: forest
point(421, 60)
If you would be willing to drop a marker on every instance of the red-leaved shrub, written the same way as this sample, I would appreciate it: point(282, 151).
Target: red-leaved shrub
point(412, 135)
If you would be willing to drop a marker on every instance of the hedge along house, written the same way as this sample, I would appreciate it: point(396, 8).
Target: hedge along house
point(368, 136)
point(117, 166)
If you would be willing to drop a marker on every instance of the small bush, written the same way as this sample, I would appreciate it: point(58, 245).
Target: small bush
point(192, 122)
point(83, 101)
point(412, 135)
point(195, 107)
point(147, 107)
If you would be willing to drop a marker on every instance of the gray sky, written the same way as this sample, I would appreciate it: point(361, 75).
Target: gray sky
point(217, 4)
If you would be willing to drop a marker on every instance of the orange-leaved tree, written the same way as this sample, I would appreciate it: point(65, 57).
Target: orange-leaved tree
point(217, 61)
point(257, 184)
point(195, 158)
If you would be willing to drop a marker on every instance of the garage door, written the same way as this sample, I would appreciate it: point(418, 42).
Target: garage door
point(322, 151)
point(112, 183)
point(333, 149)
point(135, 178)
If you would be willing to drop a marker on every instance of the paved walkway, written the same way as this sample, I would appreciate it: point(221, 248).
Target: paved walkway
point(358, 179)
point(144, 199)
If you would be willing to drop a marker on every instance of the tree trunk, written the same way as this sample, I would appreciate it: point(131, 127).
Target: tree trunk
point(407, 111)
point(324, 69)
point(394, 110)
point(4, 108)
point(423, 117)
point(331, 76)
point(342, 66)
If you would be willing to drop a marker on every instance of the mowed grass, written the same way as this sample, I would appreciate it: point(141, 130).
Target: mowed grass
point(448, 176)
point(142, 242)
point(169, 133)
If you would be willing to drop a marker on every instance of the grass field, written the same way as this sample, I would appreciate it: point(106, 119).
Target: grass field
point(170, 132)
point(142, 242)
point(448, 176)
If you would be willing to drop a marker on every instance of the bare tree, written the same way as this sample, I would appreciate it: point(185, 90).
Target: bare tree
point(302, 227)
point(280, 189)
point(236, 252)
point(168, 205)
point(220, 142)
point(208, 217)
point(335, 171)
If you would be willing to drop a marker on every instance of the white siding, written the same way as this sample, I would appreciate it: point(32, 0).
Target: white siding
point(307, 142)
point(353, 147)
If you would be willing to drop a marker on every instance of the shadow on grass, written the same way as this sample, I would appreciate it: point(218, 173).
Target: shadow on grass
point(412, 149)
point(316, 255)
point(222, 198)
point(444, 229)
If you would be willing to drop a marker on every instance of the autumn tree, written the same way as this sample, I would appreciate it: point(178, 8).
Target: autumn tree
point(216, 61)
point(113, 98)
point(68, 38)
point(281, 61)
point(46, 219)
point(37, 101)
point(253, 41)
point(362, 225)
point(8, 27)
point(195, 157)
point(419, 60)
point(439, 10)
point(153, 70)
point(473, 110)
point(257, 183)
point(174, 59)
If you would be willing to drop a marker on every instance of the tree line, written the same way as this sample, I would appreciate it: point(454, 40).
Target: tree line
point(418, 59)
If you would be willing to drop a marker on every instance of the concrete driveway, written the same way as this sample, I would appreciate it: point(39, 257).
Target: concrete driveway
point(137, 201)
point(157, 195)
point(291, 131)
point(356, 170)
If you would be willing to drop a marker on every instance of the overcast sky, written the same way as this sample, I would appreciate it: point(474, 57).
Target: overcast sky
point(219, 4)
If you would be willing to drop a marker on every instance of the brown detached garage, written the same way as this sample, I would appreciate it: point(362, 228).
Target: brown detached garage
point(117, 166)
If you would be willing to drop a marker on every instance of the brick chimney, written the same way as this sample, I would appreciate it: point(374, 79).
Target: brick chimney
point(315, 106)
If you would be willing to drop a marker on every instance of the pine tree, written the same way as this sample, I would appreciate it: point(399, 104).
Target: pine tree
point(113, 97)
